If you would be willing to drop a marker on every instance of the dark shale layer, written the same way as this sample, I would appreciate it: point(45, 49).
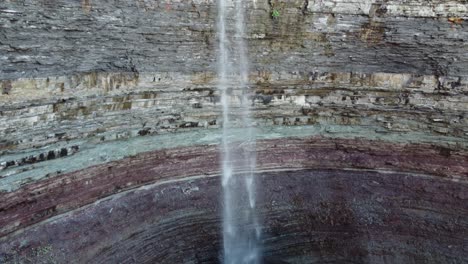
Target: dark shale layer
point(321, 200)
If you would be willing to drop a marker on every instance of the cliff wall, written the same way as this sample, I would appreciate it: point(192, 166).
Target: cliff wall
point(87, 86)
point(94, 71)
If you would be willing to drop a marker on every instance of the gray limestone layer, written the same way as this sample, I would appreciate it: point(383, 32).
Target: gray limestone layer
point(79, 75)
point(63, 37)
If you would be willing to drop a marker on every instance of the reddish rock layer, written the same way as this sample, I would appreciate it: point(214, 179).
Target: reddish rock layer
point(309, 216)
point(53, 196)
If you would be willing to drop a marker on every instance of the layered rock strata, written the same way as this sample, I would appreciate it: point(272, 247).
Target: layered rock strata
point(118, 69)
point(386, 203)
point(106, 103)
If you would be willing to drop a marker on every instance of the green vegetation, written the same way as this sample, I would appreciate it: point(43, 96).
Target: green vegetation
point(275, 14)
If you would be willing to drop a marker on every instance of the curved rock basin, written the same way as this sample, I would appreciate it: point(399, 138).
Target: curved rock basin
point(322, 201)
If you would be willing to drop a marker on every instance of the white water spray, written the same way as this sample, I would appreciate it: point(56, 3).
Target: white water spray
point(241, 229)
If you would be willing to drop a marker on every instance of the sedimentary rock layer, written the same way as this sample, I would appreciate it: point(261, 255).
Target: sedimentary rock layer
point(140, 106)
point(76, 74)
point(114, 69)
point(109, 111)
point(62, 37)
point(387, 202)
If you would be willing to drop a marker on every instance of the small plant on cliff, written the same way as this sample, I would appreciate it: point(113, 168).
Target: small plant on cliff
point(275, 14)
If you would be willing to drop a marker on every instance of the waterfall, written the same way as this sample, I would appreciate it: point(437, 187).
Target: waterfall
point(241, 228)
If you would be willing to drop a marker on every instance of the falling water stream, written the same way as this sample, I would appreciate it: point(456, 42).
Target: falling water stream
point(241, 229)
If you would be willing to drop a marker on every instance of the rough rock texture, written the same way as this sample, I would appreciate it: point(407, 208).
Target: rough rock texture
point(51, 196)
point(366, 212)
point(62, 37)
point(113, 69)
point(101, 97)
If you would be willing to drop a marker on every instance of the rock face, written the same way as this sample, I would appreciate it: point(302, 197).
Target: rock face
point(366, 212)
point(55, 38)
point(113, 69)
point(105, 104)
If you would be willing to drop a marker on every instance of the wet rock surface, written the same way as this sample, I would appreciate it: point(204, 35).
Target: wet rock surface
point(388, 202)
point(310, 216)
point(46, 197)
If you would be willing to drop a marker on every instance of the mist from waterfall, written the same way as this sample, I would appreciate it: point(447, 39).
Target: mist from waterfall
point(241, 228)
